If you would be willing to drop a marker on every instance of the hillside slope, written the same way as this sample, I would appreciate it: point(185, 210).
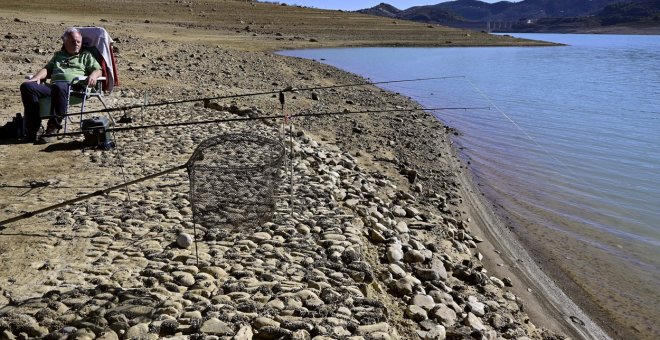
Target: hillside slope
point(532, 15)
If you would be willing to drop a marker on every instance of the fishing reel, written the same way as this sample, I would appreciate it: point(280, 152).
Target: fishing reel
point(125, 119)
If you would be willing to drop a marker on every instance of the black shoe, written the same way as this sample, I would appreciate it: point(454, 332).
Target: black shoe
point(48, 136)
point(27, 139)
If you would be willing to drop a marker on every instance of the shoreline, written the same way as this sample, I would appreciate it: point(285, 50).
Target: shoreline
point(552, 297)
point(504, 246)
point(381, 152)
point(578, 291)
point(554, 275)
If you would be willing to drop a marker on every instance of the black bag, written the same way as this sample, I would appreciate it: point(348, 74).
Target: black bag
point(14, 129)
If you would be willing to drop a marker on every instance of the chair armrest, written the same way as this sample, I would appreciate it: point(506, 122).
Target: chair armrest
point(83, 78)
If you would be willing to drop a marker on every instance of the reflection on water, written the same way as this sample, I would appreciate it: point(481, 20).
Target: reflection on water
point(570, 148)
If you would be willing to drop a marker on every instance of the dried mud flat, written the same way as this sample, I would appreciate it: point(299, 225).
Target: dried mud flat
point(387, 238)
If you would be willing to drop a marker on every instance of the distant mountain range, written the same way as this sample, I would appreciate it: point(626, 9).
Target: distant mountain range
point(529, 15)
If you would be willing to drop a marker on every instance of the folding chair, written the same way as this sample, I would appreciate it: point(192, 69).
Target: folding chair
point(98, 42)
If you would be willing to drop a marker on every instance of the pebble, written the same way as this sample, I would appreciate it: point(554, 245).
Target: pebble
point(438, 332)
point(431, 274)
point(108, 335)
point(472, 321)
point(394, 253)
point(399, 212)
point(376, 236)
point(261, 322)
point(412, 212)
point(416, 313)
point(402, 287)
point(444, 315)
point(424, 301)
point(184, 240)
point(214, 326)
point(272, 332)
point(303, 229)
point(477, 308)
point(244, 333)
point(260, 237)
point(439, 268)
point(140, 331)
point(301, 334)
point(402, 227)
point(83, 334)
point(382, 327)
point(397, 271)
point(414, 256)
point(497, 321)
point(184, 278)
point(497, 282)
point(351, 202)
point(277, 304)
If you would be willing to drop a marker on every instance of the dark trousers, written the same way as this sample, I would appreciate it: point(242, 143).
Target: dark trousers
point(30, 94)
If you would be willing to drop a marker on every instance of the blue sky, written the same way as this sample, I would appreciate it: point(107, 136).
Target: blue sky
point(352, 5)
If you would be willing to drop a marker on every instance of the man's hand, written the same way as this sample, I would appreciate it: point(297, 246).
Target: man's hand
point(37, 78)
point(92, 77)
point(91, 81)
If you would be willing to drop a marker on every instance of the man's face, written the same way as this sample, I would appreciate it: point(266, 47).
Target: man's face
point(72, 43)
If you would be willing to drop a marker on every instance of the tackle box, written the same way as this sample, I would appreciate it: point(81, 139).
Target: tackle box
point(96, 132)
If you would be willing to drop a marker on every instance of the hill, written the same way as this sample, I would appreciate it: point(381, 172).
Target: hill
point(382, 9)
point(532, 15)
point(645, 11)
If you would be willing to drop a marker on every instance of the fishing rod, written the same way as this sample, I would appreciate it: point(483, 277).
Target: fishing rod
point(84, 197)
point(242, 119)
point(179, 167)
point(289, 89)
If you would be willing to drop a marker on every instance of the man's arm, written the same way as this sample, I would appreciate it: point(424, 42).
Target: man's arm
point(91, 65)
point(45, 72)
point(41, 75)
point(91, 78)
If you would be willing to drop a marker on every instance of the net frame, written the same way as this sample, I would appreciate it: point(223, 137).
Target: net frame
point(233, 180)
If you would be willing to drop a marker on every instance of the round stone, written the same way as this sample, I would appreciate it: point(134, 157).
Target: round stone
point(414, 256)
point(424, 301)
point(394, 253)
point(477, 308)
point(416, 313)
point(184, 240)
point(184, 278)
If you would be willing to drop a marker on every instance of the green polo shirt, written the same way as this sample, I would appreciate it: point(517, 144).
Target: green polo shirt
point(65, 67)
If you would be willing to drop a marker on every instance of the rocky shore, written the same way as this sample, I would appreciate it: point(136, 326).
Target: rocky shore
point(360, 257)
point(381, 241)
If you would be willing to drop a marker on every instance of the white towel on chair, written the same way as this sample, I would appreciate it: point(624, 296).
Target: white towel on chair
point(99, 38)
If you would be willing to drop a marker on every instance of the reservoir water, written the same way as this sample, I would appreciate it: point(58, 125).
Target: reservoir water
point(569, 152)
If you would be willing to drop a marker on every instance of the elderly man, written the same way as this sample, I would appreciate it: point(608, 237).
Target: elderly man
point(70, 62)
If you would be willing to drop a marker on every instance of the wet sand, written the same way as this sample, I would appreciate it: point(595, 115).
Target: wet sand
point(583, 270)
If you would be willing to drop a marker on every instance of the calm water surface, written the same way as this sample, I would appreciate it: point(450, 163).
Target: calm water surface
point(570, 149)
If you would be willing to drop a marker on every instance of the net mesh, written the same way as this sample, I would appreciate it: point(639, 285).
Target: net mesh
point(233, 178)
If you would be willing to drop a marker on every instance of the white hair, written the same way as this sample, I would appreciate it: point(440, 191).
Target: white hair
point(69, 31)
